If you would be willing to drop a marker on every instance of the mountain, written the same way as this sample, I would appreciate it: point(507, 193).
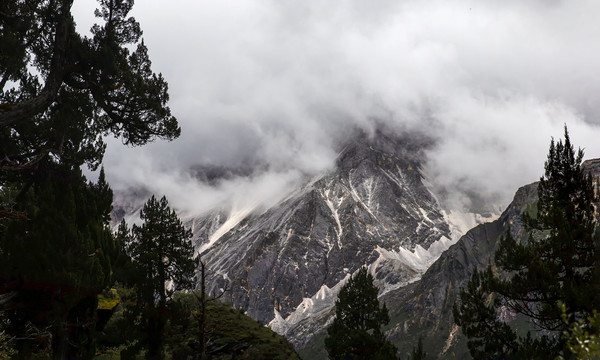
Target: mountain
point(424, 307)
point(284, 265)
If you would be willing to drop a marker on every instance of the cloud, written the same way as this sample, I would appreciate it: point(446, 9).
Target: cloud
point(278, 84)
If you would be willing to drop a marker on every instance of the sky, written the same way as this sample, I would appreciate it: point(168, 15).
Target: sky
point(276, 85)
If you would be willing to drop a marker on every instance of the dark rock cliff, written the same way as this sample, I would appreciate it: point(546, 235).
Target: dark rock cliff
point(374, 202)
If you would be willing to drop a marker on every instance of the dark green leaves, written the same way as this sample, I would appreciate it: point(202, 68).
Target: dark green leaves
point(67, 91)
point(162, 256)
point(555, 262)
point(356, 330)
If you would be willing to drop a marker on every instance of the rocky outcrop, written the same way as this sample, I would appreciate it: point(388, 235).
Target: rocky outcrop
point(373, 209)
point(424, 307)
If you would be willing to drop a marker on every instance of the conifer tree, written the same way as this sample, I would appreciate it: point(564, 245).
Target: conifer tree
point(556, 264)
point(68, 91)
point(161, 252)
point(356, 330)
point(55, 260)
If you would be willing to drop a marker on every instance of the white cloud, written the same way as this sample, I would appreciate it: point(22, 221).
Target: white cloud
point(280, 83)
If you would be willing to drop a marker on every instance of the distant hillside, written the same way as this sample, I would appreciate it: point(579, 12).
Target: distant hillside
point(231, 334)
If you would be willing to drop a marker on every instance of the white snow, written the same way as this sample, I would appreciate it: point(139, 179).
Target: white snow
point(419, 259)
point(322, 301)
point(333, 207)
point(392, 177)
point(370, 186)
point(359, 200)
point(460, 222)
point(425, 215)
point(235, 217)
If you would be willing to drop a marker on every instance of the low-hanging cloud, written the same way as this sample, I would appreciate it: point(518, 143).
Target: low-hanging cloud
point(276, 85)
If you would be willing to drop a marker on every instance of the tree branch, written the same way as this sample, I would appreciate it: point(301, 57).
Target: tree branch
point(10, 113)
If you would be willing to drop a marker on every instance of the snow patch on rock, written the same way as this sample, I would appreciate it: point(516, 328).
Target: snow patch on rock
point(314, 306)
point(235, 217)
point(460, 222)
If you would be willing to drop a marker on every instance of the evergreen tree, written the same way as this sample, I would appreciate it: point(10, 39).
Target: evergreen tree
point(356, 330)
point(55, 260)
point(556, 263)
point(68, 91)
point(162, 253)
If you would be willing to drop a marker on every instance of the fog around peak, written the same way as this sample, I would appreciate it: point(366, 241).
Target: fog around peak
point(276, 86)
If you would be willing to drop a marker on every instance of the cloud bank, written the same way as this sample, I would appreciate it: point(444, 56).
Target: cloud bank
point(275, 85)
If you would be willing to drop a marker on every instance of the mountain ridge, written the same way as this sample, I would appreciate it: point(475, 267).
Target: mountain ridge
point(284, 265)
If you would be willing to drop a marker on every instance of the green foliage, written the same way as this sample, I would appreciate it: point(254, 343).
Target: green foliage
point(121, 329)
point(60, 94)
point(581, 337)
point(68, 91)
point(558, 262)
point(108, 299)
point(161, 252)
point(58, 257)
point(7, 350)
point(356, 330)
point(231, 334)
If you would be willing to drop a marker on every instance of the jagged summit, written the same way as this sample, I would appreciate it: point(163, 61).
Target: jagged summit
point(285, 264)
point(372, 209)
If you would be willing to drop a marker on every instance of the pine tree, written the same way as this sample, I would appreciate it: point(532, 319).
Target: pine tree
point(56, 259)
point(161, 252)
point(356, 330)
point(68, 91)
point(556, 264)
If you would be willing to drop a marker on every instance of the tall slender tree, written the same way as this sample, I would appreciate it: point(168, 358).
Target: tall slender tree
point(356, 330)
point(55, 260)
point(162, 252)
point(556, 264)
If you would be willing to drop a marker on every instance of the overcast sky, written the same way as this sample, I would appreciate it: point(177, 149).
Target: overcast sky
point(280, 82)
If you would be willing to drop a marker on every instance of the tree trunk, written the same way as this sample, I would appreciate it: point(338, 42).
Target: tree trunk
point(59, 341)
point(202, 312)
point(154, 346)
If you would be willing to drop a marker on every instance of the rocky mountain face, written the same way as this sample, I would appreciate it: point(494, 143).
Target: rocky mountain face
point(373, 209)
point(285, 265)
point(424, 307)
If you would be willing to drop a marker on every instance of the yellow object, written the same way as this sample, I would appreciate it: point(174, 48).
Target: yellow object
point(107, 300)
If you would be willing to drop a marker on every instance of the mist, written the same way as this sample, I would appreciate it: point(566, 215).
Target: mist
point(276, 86)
